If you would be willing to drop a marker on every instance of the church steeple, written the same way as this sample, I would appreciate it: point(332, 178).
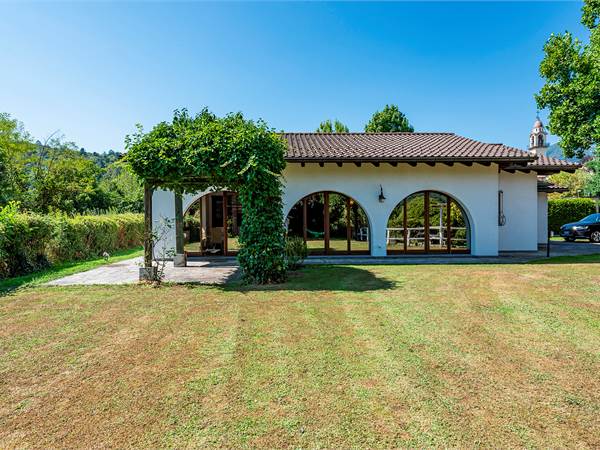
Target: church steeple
point(538, 138)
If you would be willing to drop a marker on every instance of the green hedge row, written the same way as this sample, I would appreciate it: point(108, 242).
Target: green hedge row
point(565, 210)
point(30, 242)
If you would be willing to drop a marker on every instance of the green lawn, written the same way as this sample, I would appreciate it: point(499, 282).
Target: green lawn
point(336, 245)
point(64, 269)
point(339, 357)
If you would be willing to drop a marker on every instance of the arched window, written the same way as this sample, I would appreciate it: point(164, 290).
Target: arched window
point(330, 223)
point(540, 141)
point(211, 225)
point(428, 222)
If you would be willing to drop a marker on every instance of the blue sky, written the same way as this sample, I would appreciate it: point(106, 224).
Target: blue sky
point(93, 70)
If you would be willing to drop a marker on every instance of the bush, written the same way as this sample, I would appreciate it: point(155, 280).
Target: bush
point(30, 242)
point(296, 252)
point(565, 210)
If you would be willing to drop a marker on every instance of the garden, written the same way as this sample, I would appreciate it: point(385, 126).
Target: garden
point(345, 357)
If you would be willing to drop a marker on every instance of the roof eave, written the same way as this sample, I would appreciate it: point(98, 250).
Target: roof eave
point(294, 159)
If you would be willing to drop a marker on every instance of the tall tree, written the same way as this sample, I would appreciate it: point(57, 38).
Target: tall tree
point(60, 179)
point(328, 127)
point(389, 119)
point(572, 89)
point(575, 183)
point(15, 146)
point(592, 185)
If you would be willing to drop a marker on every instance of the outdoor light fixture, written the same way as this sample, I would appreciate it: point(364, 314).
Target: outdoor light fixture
point(501, 216)
point(381, 196)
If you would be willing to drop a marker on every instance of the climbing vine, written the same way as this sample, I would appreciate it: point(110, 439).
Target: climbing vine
point(192, 153)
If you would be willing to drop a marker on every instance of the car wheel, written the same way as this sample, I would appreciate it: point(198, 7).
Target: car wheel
point(570, 239)
point(595, 237)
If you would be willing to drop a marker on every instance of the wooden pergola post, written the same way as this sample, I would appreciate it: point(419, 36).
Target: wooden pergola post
point(304, 219)
point(326, 220)
point(148, 272)
point(426, 221)
point(448, 224)
point(405, 225)
point(180, 259)
point(225, 237)
point(348, 226)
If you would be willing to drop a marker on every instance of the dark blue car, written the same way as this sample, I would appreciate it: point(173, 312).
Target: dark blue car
point(586, 228)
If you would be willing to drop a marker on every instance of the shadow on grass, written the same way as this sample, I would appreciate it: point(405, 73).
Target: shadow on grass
point(321, 278)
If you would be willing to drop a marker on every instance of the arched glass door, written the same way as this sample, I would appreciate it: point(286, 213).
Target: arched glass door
point(211, 225)
point(330, 223)
point(428, 222)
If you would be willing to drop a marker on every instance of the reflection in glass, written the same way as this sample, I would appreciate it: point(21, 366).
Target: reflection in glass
point(427, 222)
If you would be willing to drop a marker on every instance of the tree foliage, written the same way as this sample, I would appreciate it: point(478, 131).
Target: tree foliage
point(193, 153)
point(572, 89)
point(389, 119)
point(592, 185)
point(62, 180)
point(57, 176)
point(332, 127)
point(575, 182)
point(15, 145)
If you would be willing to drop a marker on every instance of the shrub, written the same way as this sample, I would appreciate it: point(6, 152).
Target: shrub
point(565, 210)
point(296, 252)
point(30, 242)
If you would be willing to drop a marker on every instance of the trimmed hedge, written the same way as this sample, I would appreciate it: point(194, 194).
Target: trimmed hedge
point(30, 242)
point(565, 210)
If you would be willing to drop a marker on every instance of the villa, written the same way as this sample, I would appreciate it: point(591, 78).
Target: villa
point(388, 194)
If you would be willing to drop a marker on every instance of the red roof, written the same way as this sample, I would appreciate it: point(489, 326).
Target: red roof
point(409, 147)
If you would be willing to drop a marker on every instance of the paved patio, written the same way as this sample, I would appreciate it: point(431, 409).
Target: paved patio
point(219, 270)
point(125, 272)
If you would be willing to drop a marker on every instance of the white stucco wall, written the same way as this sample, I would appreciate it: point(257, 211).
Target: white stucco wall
point(475, 188)
point(163, 207)
point(520, 233)
point(542, 216)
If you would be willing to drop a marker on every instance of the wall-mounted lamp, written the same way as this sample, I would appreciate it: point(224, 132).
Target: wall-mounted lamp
point(501, 216)
point(381, 196)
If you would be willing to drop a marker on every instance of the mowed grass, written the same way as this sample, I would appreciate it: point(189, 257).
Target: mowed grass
point(338, 357)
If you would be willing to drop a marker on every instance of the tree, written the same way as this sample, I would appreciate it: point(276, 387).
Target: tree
point(571, 92)
point(335, 127)
point(60, 179)
point(15, 146)
point(575, 183)
point(123, 188)
point(592, 186)
point(193, 153)
point(390, 119)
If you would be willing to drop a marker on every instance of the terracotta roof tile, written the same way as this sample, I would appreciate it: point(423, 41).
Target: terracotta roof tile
point(394, 146)
point(543, 161)
point(412, 147)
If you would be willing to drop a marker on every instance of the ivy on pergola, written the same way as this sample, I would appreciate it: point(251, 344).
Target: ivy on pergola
point(193, 153)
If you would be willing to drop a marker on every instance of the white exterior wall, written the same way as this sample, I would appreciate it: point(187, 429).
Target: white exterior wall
point(542, 216)
point(520, 233)
point(163, 207)
point(475, 188)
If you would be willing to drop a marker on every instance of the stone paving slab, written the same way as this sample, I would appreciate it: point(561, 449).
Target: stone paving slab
point(219, 270)
point(127, 272)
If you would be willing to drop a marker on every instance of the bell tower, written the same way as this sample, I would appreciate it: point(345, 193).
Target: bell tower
point(538, 143)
